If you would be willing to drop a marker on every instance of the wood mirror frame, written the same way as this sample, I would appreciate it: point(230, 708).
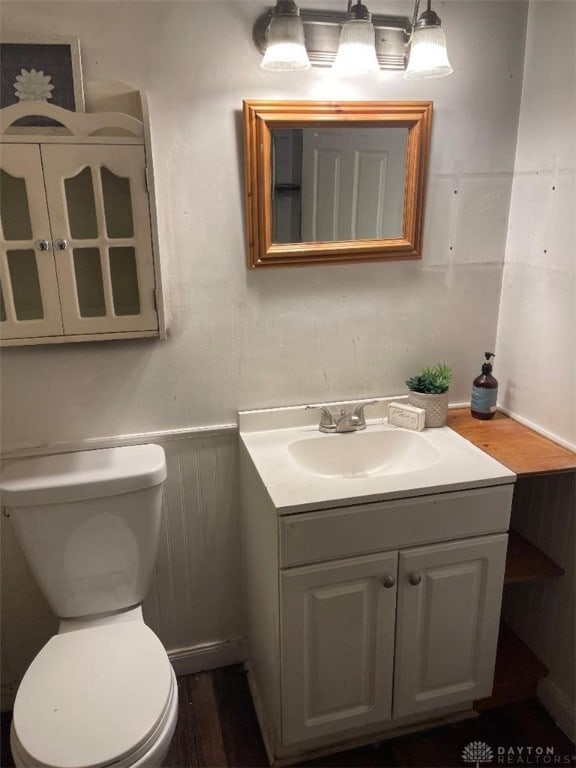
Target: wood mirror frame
point(261, 117)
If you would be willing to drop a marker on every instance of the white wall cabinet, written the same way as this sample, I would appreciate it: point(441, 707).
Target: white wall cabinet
point(77, 259)
point(344, 649)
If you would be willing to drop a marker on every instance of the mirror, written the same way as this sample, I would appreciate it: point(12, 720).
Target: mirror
point(330, 182)
point(342, 183)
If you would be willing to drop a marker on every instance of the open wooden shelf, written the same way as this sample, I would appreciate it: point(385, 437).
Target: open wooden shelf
point(528, 454)
point(525, 562)
point(516, 674)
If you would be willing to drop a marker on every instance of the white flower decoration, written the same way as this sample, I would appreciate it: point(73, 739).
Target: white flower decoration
point(33, 86)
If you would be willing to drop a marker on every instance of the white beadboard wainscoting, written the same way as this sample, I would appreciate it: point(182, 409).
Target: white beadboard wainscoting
point(541, 612)
point(195, 602)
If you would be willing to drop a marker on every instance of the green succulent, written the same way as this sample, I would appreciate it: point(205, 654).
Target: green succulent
point(432, 380)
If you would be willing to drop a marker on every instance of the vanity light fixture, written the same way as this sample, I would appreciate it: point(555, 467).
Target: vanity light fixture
point(354, 41)
point(356, 50)
point(428, 55)
point(285, 48)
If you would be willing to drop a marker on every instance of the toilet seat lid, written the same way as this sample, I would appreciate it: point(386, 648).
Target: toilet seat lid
point(93, 696)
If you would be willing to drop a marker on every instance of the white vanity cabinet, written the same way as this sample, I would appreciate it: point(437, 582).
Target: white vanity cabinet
point(77, 255)
point(368, 639)
point(370, 618)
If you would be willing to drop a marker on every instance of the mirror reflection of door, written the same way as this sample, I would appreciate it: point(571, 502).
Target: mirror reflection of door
point(333, 184)
point(287, 185)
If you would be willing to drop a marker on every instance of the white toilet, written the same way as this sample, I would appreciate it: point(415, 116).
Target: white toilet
point(102, 691)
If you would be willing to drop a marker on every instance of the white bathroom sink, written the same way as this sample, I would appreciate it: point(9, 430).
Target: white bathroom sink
point(357, 454)
point(303, 469)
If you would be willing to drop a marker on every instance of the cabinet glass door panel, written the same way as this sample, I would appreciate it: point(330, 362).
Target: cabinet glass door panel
point(15, 213)
point(337, 645)
point(449, 599)
point(30, 303)
point(117, 204)
point(110, 179)
point(124, 278)
point(81, 206)
point(2, 306)
point(89, 283)
point(25, 284)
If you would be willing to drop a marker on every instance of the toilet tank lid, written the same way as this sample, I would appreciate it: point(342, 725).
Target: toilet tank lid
point(82, 475)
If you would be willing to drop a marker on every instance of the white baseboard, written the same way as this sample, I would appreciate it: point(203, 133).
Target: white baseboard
point(199, 658)
point(560, 708)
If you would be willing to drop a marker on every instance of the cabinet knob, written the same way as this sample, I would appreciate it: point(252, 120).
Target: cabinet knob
point(414, 579)
point(43, 245)
point(388, 581)
point(61, 245)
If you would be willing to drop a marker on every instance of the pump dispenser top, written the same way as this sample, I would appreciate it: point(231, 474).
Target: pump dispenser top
point(487, 366)
point(484, 392)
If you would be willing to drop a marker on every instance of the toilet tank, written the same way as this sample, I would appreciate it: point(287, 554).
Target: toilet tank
point(88, 523)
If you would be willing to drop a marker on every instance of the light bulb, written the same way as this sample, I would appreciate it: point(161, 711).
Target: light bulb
point(285, 37)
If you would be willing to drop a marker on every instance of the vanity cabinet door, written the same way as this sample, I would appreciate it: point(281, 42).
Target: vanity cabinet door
point(29, 304)
point(98, 204)
point(449, 598)
point(337, 641)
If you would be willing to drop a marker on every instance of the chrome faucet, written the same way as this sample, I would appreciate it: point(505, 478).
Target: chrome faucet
point(345, 421)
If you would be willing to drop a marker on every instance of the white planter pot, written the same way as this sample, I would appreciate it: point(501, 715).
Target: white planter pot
point(436, 407)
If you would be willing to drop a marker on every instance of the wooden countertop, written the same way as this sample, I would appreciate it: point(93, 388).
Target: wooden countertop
point(517, 447)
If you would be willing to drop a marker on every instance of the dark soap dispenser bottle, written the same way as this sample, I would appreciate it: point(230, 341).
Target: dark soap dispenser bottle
point(484, 392)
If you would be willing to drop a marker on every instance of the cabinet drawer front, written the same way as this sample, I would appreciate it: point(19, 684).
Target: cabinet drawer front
point(331, 534)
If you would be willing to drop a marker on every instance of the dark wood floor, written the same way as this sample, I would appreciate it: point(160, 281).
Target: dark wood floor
point(217, 727)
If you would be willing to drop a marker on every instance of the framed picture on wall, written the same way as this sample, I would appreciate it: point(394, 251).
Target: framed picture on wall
point(47, 70)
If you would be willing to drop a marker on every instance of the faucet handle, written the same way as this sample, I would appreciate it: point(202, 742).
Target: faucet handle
point(327, 423)
point(359, 412)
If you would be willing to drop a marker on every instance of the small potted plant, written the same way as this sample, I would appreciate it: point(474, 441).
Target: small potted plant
point(429, 390)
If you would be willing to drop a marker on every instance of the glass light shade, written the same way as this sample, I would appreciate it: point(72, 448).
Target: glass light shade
point(357, 49)
point(428, 56)
point(285, 49)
